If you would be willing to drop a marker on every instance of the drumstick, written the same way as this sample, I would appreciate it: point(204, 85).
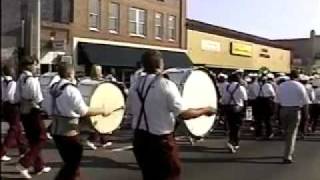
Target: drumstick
point(118, 109)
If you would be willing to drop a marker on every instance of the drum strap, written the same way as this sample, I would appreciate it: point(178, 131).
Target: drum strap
point(261, 94)
point(21, 83)
point(55, 93)
point(232, 99)
point(142, 99)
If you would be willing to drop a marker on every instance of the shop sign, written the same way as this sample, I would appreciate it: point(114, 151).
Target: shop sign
point(208, 45)
point(241, 49)
point(264, 53)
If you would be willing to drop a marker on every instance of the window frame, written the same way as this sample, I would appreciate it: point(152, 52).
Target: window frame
point(117, 19)
point(94, 14)
point(160, 26)
point(138, 22)
point(173, 29)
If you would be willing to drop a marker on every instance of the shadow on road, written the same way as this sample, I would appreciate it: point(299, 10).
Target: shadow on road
point(244, 160)
point(99, 162)
point(200, 149)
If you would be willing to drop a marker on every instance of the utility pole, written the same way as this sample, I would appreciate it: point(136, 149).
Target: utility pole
point(34, 28)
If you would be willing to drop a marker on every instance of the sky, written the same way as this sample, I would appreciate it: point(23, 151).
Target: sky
point(273, 19)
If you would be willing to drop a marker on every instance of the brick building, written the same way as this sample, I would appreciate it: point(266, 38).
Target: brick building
point(11, 28)
point(113, 33)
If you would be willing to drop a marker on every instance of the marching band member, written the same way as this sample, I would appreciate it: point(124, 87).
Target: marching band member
point(11, 115)
point(280, 79)
point(222, 84)
point(311, 95)
point(315, 110)
point(153, 103)
point(265, 108)
point(66, 105)
point(293, 98)
point(234, 100)
point(29, 96)
point(252, 91)
point(96, 77)
point(139, 72)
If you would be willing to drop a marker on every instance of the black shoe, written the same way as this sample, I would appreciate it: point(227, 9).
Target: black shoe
point(287, 161)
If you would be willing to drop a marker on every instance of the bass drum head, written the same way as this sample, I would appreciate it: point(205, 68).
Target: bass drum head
point(199, 91)
point(110, 97)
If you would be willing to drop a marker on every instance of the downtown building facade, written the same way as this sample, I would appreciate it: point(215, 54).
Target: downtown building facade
point(113, 33)
point(12, 25)
point(305, 52)
point(223, 49)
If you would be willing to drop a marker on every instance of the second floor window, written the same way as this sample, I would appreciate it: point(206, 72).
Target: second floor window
point(137, 22)
point(114, 13)
point(94, 14)
point(59, 11)
point(172, 30)
point(158, 25)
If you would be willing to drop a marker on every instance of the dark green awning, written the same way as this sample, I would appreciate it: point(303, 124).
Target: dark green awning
point(119, 56)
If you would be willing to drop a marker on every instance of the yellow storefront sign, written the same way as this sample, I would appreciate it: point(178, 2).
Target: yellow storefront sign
point(241, 49)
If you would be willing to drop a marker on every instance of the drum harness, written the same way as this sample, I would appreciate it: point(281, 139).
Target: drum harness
point(55, 94)
point(142, 99)
point(23, 100)
point(261, 93)
point(232, 99)
point(234, 107)
point(6, 84)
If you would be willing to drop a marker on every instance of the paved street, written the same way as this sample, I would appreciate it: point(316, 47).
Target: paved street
point(206, 160)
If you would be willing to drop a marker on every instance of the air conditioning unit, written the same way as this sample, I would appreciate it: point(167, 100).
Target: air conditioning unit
point(66, 59)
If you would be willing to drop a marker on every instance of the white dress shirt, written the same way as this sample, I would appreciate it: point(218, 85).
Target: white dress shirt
point(292, 93)
point(310, 92)
point(221, 87)
point(8, 90)
point(317, 96)
point(253, 90)
point(266, 90)
point(55, 79)
point(70, 103)
point(29, 90)
point(240, 95)
point(162, 104)
point(136, 75)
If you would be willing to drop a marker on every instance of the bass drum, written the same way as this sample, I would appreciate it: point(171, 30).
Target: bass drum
point(106, 95)
point(198, 90)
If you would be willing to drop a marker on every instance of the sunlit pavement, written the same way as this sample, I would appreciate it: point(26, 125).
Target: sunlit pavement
point(207, 160)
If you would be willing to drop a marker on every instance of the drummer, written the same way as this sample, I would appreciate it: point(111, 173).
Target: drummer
point(222, 84)
point(96, 76)
point(66, 105)
point(234, 100)
point(153, 102)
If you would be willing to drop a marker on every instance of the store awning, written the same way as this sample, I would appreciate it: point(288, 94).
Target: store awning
point(120, 56)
